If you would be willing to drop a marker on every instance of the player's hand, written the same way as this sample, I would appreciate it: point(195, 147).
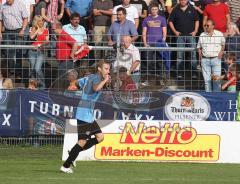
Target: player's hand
point(107, 78)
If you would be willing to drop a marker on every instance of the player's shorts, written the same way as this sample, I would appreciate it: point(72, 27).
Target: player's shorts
point(86, 130)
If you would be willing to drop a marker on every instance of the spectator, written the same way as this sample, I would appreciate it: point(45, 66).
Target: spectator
point(2, 1)
point(40, 37)
point(234, 6)
point(29, 4)
point(127, 83)
point(121, 27)
point(197, 4)
point(219, 13)
point(155, 34)
point(40, 8)
point(5, 83)
point(53, 9)
point(211, 46)
point(231, 77)
point(77, 32)
point(169, 5)
point(66, 46)
point(14, 18)
point(72, 78)
point(231, 84)
point(102, 11)
point(129, 58)
point(131, 12)
point(233, 40)
point(33, 84)
point(184, 23)
point(116, 2)
point(161, 6)
point(206, 2)
point(83, 8)
point(142, 8)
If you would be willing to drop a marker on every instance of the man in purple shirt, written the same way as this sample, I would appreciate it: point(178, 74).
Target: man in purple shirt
point(154, 34)
point(121, 27)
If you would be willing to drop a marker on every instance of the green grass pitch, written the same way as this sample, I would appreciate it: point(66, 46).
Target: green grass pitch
point(23, 165)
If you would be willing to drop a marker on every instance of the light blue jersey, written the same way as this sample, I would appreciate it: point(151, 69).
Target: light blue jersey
point(89, 97)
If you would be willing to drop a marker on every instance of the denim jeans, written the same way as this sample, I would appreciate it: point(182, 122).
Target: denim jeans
point(13, 56)
point(211, 67)
point(154, 66)
point(36, 58)
point(186, 41)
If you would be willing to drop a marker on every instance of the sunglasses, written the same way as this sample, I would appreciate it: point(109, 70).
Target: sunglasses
point(207, 25)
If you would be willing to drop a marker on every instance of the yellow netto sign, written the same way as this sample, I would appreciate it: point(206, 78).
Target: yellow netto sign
point(167, 143)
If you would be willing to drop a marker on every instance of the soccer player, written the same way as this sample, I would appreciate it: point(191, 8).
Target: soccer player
point(87, 126)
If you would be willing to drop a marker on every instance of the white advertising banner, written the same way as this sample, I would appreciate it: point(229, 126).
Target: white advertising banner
point(181, 141)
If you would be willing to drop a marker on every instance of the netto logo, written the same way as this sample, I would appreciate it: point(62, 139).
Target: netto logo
point(187, 106)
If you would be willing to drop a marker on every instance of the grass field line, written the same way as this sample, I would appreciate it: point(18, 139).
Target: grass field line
point(69, 177)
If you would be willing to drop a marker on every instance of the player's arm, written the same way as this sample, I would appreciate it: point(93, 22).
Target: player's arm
point(100, 85)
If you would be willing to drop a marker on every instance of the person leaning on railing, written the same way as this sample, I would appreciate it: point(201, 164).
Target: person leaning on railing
point(66, 46)
point(102, 11)
point(39, 35)
point(14, 18)
point(184, 23)
point(154, 35)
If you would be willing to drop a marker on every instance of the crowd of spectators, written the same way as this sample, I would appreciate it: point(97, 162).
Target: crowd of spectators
point(65, 26)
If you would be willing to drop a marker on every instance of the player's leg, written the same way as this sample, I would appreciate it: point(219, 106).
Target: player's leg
point(93, 141)
point(82, 139)
point(98, 136)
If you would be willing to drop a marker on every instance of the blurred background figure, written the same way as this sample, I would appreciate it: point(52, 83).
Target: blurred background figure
point(5, 83)
point(233, 40)
point(33, 84)
point(72, 76)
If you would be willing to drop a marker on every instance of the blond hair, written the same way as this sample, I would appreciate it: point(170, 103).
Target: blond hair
point(35, 20)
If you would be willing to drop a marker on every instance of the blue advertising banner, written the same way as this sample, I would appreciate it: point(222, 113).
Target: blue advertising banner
point(26, 112)
point(10, 113)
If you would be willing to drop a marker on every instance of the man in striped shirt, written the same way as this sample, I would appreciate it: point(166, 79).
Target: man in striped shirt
point(14, 18)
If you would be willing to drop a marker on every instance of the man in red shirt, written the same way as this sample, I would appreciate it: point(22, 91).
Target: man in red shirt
point(66, 46)
point(219, 13)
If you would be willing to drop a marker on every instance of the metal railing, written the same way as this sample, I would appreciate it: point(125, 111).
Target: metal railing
point(153, 71)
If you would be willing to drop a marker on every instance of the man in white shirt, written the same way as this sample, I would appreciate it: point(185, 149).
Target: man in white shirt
point(211, 45)
point(132, 12)
point(129, 58)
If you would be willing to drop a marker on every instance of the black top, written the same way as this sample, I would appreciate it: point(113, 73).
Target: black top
point(184, 21)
